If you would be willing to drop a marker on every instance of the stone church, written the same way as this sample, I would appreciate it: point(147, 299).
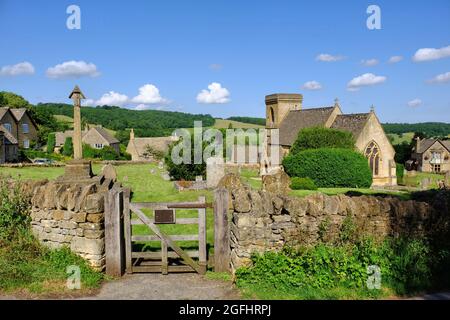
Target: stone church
point(285, 113)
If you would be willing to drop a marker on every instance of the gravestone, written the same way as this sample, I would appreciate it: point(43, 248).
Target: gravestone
point(165, 176)
point(160, 165)
point(215, 170)
point(425, 183)
point(109, 172)
point(447, 179)
point(198, 178)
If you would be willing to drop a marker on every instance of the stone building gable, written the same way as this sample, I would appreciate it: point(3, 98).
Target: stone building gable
point(6, 116)
point(137, 146)
point(427, 144)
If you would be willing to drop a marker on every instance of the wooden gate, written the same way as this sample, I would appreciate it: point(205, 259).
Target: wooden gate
point(121, 244)
point(171, 257)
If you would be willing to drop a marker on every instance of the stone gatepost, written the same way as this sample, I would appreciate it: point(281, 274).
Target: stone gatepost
point(215, 170)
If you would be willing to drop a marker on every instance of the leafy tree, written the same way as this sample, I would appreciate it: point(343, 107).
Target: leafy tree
point(429, 129)
point(319, 137)
point(13, 100)
point(68, 147)
point(51, 142)
point(330, 167)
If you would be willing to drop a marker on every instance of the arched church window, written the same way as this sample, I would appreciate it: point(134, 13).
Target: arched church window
point(372, 153)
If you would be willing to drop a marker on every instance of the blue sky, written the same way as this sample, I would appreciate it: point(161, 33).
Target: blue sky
point(241, 50)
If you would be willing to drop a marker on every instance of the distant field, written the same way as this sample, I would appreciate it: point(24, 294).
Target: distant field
point(400, 138)
point(223, 124)
point(69, 122)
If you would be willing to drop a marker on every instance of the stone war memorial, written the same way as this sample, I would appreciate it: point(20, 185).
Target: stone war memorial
point(70, 211)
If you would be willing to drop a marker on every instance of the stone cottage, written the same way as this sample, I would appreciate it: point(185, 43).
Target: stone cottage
point(17, 130)
point(285, 113)
point(95, 136)
point(430, 155)
point(138, 147)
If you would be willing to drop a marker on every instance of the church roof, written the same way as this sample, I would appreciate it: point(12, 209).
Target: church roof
point(351, 122)
point(300, 119)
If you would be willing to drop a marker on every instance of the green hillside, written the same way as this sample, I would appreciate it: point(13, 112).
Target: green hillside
point(146, 123)
point(224, 124)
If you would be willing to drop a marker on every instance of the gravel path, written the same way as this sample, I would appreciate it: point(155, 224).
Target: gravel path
point(166, 287)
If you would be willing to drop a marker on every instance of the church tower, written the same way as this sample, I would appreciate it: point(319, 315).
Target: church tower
point(278, 106)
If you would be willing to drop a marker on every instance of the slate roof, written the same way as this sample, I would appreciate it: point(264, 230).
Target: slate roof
point(108, 137)
point(425, 144)
point(300, 119)
point(3, 110)
point(8, 135)
point(351, 122)
point(158, 143)
point(60, 137)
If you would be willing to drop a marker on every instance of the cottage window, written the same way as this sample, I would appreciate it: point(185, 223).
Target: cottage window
point(26, 143)
point(372, 153)
point(98, 145)
point(25, 128)
point(8, 126)
point(436, 168)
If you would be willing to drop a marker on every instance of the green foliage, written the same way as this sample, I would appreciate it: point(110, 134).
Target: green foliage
point(185, 171)
point(67, 148)
point(319, 137)
point(154, 153)
point(302, 184)
point(429, 129)
point(330, 167)
point(406, 267)
point(400, 170)
point(403, 151)
point(13, 100)
point(51, 142)
point(146, 123)
point(251, 120)
point(30, 154)
point(106, 153)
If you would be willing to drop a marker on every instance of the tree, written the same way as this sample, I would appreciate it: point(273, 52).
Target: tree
point(13, 100)
point(319, 137)
point(68, 147)
point(51, 142)
point(330, 167)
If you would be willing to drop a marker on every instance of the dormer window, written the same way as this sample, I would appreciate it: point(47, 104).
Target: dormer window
point(25, 128)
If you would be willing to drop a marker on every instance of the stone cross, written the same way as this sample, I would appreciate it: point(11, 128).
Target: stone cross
point(76, 96)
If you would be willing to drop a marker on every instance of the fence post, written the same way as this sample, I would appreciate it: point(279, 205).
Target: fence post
point(221, 231)
point(114, 244)
point(127, 229)
point(202, 254)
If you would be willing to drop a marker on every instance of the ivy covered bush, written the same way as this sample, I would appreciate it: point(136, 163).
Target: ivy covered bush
point(302, 184)
point(329, 167)
point(319, 137)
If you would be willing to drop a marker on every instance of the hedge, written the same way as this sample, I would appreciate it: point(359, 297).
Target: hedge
point(329, 167)
point(302, 184)
point(318, 137)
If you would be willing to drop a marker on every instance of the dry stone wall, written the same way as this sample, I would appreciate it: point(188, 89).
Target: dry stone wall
point(72, 215)
point(264, 221)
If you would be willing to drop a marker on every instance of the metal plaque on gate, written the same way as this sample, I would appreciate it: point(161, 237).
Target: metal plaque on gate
point(166, 216)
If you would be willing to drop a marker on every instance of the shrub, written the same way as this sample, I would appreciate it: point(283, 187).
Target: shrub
point(330, 167)
point(153, 153)
point(68, 147)
point(302, 184)
point(400, 169)
point(319, 137)
point(106, 153)
point(51, 142)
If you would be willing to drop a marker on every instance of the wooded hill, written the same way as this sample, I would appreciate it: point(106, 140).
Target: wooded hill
point(146, 123)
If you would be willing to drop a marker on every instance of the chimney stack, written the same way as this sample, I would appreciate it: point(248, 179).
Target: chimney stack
point(132, 134)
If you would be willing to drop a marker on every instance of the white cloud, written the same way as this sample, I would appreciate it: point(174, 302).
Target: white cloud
point(367, 79)
point(148, 94)
point(440, 78)
point(142, 107)
point(312, 85)
point(370, 62)
point(73, 69)
point(88, 102)
point(415, 103)
point(428, 54)
point(395, 59)
point(22, 68)
point(328, 57)
point(215, 94)
point(112, 99)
